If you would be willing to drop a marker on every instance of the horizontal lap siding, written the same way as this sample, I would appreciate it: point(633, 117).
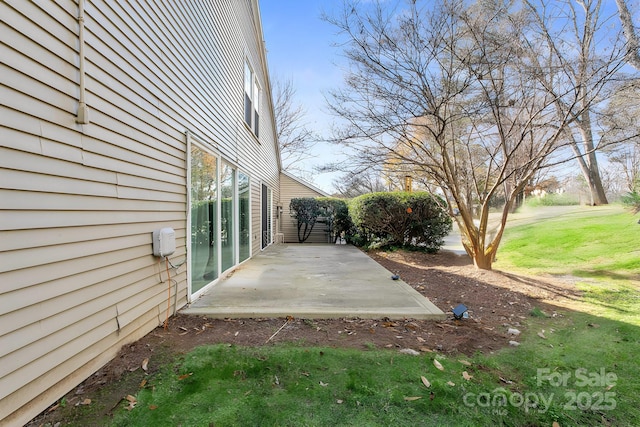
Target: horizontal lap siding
point(78, 203)
point(291, 189)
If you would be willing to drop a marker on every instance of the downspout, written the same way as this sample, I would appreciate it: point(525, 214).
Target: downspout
point(83, 111)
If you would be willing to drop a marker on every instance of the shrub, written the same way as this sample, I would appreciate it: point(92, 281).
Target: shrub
point(399, 219)
point(334, 213)
point(306, 210)
point(632, 200)
point(553, 199)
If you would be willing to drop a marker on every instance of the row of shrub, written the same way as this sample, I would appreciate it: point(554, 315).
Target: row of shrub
point(553, 199)
point(399, 219)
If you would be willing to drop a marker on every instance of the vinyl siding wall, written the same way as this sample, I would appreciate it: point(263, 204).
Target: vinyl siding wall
point(78, 203)
point(290, 189)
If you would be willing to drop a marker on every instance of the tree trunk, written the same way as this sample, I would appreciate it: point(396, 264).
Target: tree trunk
point(586, 157)
point(589, 163)
point(484, 261)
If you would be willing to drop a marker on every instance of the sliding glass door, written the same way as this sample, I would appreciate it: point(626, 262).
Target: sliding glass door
point(244, 216)
point(204, 215)
point(227, 223)
point(220, 217)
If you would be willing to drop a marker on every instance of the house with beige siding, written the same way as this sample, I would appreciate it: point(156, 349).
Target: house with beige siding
point(118, 119)
point(292, 187)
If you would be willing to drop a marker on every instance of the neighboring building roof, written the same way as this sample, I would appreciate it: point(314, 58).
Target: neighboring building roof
point(305, 183)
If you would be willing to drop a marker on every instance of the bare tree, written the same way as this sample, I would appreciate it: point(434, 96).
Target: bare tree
point(587, 55)
point(445, 90)
point(630, 33)
point(622, 123)
point(294, 136)
point(351, 184)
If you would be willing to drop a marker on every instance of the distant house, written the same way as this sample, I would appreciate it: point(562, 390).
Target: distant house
point(292, 187)
point(118, 119)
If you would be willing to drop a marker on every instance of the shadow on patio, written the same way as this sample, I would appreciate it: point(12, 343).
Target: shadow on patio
point(313, 281)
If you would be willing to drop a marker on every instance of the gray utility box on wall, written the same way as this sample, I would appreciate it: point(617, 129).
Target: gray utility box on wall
point(164, 242)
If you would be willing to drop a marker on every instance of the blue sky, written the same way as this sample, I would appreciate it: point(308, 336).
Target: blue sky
point(299, 48)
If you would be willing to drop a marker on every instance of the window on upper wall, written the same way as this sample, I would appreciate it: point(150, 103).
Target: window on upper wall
point(252, 98)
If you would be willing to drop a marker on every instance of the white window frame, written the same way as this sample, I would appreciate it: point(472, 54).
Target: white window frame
point(253, 96)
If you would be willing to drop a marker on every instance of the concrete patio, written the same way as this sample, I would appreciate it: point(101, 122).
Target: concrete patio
point(313, 281)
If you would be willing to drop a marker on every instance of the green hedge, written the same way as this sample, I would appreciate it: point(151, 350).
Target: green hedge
point(632, 200)
point(411, 220)
point(331, 211)
point(553, 199)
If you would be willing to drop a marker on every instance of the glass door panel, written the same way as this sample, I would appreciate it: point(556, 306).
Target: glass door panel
point(227, 202)
point(204, 224)
point(244, 220)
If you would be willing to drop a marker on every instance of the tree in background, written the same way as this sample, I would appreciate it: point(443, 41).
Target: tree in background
point(452, 91)
point(587, 55)
point(630, 33)
point(352, 184)
point(295, 139)
point(622, 123)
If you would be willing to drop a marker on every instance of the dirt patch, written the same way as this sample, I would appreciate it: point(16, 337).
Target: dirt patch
point(496, 302)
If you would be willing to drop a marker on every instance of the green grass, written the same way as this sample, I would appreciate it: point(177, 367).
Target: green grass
point(593, 242)
point(577, 366)
point(553, 199)
point(294, 386)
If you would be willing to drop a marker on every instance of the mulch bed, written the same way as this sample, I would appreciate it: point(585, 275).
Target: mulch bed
point(496, 302)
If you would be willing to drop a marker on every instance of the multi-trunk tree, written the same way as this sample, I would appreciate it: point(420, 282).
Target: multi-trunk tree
point(457, 93)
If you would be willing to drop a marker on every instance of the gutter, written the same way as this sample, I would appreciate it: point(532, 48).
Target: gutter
point(83, 111)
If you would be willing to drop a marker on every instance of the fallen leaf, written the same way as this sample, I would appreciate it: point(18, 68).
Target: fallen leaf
point(420, 339)
point(466, 376)
point(409, 351)
point(425, 382)
point(452, 384)
point(323, 384)
point(182, 377)
point(143, 383)
point(464, 362)
point(555, 424)
point(425, 350)
point(438, 365)
point(86, 402)
point(145, 364)
point(412, 398)
point(131, 399)
point(609, 387)
point(339, 401)
point(152, 407)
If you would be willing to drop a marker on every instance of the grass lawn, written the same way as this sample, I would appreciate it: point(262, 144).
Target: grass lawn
point(577, 368)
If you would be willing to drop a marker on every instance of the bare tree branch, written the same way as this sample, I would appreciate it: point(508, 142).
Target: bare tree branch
point(294, 136)
point(629, 29)
point(451, 93)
